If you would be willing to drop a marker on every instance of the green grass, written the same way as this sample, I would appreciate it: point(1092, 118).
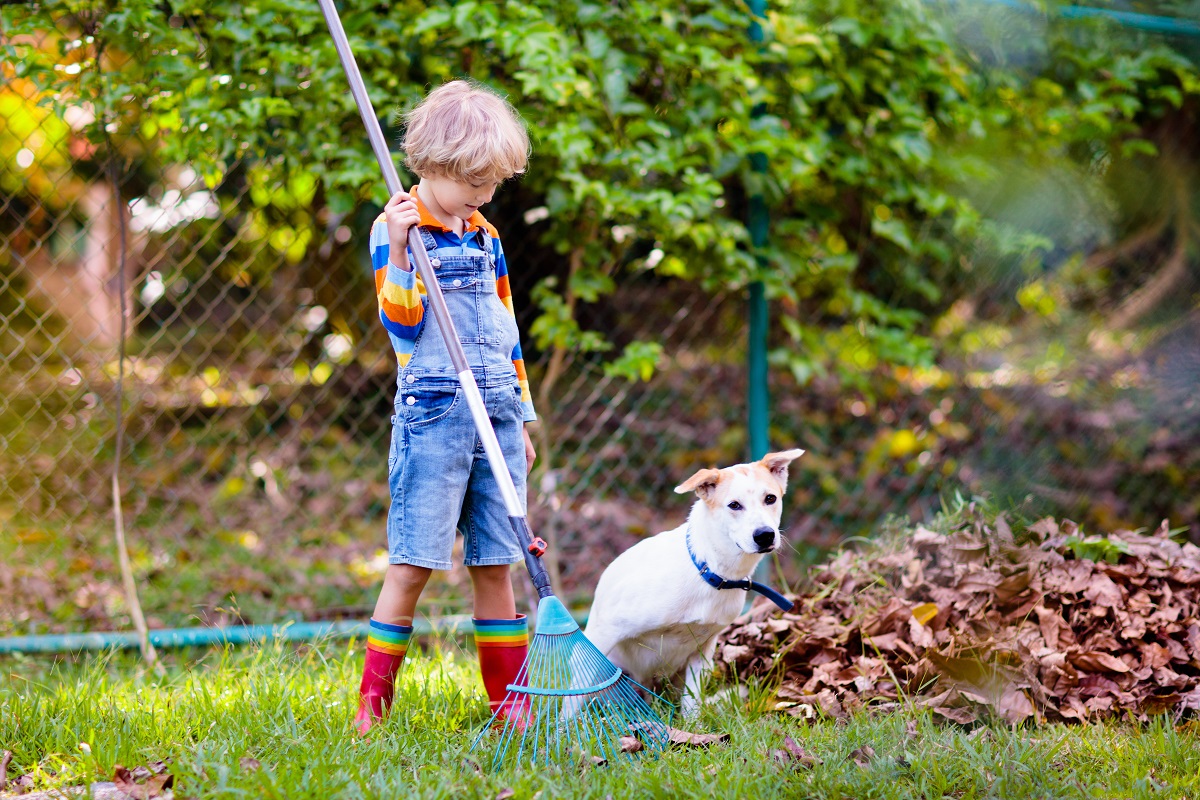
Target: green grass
point(290, 709)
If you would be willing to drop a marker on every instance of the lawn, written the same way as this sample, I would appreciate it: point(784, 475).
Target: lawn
point(274, 721)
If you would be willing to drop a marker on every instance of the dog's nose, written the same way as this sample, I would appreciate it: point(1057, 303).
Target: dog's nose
point(764, 537)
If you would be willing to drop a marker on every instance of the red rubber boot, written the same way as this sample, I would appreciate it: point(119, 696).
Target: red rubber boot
point(503, 645)
point(386, 646)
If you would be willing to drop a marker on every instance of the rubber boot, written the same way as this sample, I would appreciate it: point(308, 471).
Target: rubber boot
point(503, 645)
point(386, 645)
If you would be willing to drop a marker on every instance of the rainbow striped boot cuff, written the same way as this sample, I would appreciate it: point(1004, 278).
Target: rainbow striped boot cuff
point(390, 639)
point(502, 632)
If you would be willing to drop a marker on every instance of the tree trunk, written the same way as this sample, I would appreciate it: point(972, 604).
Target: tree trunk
point(91, 305)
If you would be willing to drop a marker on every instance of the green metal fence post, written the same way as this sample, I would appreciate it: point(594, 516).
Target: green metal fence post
point(757, 400)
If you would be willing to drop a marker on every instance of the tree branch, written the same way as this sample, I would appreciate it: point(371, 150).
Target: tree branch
point(1173, 272)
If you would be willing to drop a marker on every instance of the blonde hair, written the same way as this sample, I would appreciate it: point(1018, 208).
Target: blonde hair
point(465, 132)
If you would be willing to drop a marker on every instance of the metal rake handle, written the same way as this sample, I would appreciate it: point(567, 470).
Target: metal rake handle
point(437, 303)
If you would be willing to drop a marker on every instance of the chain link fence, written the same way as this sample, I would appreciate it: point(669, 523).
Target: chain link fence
point(257, 387)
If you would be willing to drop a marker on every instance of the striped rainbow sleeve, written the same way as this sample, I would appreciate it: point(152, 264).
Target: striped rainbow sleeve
point(401, 295)
point(504, 290)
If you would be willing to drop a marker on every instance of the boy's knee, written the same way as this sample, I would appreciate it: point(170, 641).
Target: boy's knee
point(490, 576)
point(406, 576)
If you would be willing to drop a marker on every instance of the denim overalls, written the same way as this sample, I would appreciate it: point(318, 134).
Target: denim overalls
point(437, 471)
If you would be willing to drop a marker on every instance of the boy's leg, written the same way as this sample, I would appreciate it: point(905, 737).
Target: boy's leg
point(501, 636)
point(492, 587)
point(387, 641)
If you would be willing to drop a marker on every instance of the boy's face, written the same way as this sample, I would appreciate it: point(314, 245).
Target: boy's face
point(454, 197)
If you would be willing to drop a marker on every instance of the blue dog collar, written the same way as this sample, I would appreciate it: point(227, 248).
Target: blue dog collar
point(717, 582)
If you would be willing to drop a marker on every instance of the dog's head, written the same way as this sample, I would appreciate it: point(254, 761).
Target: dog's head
point(746, 500)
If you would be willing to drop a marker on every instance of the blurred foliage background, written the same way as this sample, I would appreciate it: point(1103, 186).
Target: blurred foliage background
point(982, 268)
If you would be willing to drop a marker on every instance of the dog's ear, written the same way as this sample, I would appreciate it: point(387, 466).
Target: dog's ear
point(777, 463)
point(703, 483)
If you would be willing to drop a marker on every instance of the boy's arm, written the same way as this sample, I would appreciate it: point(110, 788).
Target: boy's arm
point(504, 290)
point(401, 293)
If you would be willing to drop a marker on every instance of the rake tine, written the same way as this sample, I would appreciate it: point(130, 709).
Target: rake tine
point(569, 701)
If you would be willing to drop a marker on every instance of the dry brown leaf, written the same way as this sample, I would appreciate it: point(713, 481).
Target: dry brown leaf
point(799, 755)
point(1098, 662)
point(4, 762)
point(630, 744)
point(22, 784)
point(732, 653)
point(248, 764)
point(154, 785)
point(677, 736)
point(862, 755)
point(1014, 706)
point(505, 794)
point(962, 715)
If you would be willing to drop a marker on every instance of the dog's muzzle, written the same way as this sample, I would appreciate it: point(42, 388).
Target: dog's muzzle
point(764, 539)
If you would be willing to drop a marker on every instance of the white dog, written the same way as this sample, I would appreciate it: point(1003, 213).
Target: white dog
point(660, 605)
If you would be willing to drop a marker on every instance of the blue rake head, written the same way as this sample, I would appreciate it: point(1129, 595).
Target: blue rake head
point(570, 703)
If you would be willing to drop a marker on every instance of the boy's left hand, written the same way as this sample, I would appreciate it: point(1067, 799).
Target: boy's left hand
point(530, 454)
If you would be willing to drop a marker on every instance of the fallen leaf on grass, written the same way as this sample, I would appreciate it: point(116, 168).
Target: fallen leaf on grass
point(248, 764)
point(961, 715)
point(153, 787)
point(677, 736)
point(4, 760)
point(795, 755)
point(863, 755)
point(505, 794)
point(657, 731)
point(630, 744)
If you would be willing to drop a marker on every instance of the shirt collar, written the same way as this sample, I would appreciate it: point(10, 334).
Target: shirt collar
point(428, 220)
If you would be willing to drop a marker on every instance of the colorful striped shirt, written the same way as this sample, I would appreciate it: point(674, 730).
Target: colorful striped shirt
point(402, 298)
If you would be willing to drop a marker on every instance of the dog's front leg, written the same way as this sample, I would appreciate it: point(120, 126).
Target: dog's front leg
point(693, 682)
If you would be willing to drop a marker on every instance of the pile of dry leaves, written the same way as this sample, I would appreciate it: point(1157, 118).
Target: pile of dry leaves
point(974, 622)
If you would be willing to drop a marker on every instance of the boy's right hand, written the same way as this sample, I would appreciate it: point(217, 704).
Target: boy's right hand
point(401, 214)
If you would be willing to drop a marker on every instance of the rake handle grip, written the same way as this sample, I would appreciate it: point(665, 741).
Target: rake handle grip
point(533, 563)
point(437, 304)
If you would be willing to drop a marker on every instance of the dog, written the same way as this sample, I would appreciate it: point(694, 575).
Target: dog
point(655, 614)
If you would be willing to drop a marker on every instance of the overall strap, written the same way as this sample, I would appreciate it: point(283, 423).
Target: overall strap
point(484, 239)
point(428, 240)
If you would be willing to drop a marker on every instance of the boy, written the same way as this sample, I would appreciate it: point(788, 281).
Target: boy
point(462, 141)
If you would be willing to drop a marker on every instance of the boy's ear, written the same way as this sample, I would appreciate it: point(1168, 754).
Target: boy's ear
point(704, 483)
point(777, 463)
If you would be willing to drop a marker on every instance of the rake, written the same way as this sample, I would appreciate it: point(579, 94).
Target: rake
point(568, 702)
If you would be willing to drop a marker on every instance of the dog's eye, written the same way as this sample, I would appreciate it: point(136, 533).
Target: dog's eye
point(735, 506)
point(770, 499)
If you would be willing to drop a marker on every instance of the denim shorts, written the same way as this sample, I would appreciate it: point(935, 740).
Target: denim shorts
point(440, 478)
